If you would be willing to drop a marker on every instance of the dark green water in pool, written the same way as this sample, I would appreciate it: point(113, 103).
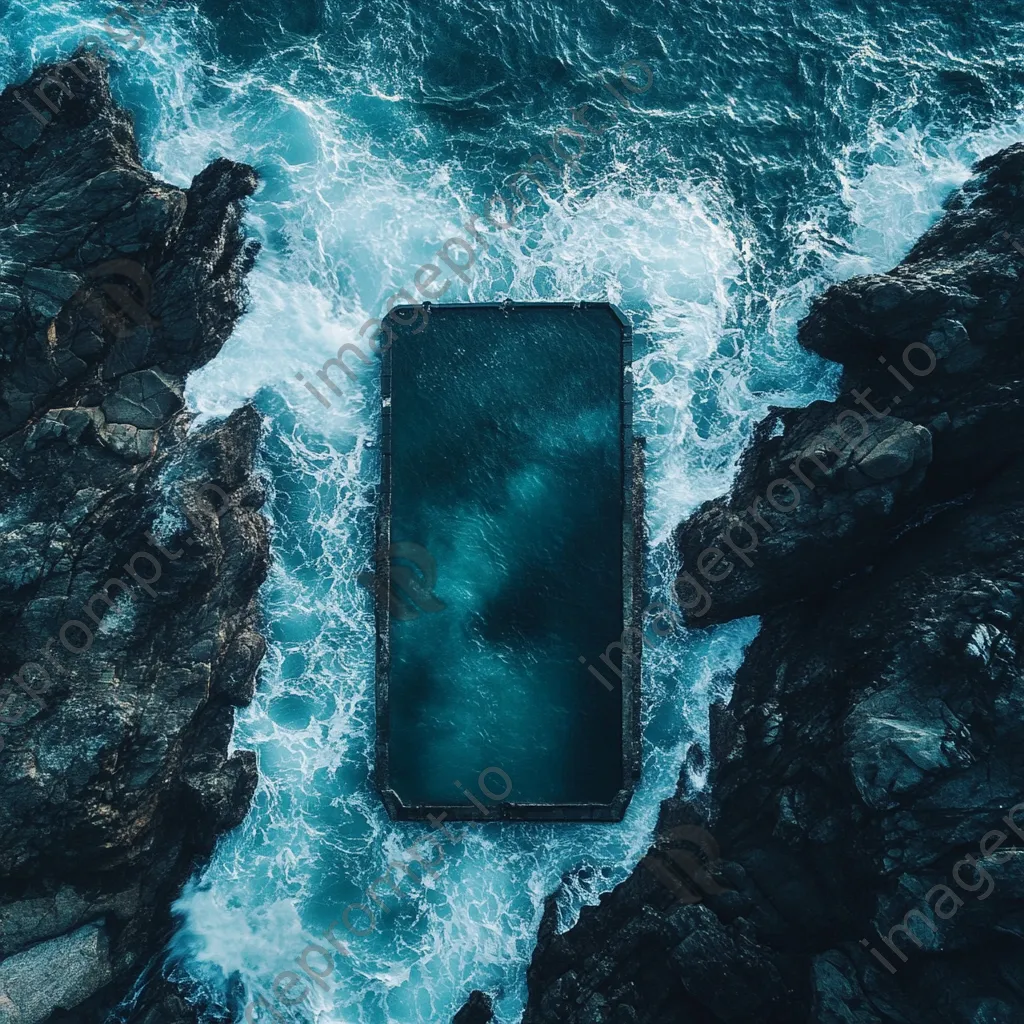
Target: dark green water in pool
point(507, 467)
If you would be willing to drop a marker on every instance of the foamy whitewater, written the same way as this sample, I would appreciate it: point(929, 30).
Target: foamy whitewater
point(711, 215)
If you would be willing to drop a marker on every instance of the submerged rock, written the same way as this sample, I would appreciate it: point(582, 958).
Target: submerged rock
point(867, 775)
point(133, 546)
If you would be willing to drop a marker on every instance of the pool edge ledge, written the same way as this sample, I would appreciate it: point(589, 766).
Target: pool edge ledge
point(632, 453)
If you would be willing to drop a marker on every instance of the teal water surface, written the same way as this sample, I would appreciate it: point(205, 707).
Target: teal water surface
point(507, 467)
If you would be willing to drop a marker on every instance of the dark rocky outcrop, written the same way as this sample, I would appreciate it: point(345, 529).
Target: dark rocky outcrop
point(874, 740)
point(132, 547)
point(476, 1011)
point(944, 322)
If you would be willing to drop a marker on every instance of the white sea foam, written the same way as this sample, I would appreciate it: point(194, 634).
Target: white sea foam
point(895, 181)
point(475, 925)
point(670, 261)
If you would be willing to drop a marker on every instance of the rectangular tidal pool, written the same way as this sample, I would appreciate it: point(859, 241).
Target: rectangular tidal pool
point(508, 536)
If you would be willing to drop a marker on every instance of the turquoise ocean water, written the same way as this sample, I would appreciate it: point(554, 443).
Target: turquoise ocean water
point(780, 146)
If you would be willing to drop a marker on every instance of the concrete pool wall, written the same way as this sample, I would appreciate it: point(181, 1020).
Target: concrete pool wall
point(511, 479)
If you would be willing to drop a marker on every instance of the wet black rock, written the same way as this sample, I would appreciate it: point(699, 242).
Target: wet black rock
point(476, 1011)
point(133, 547)
point(865, 866)
point(933, 344)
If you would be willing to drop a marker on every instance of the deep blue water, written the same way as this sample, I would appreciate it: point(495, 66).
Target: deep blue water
point(507, 467)
point(780, 146)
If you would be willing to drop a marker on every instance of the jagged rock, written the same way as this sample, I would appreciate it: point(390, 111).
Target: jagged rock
point(930, 345)
point(127, 592)
point(476, 1011)
point(146, 399)
point(59, 972)
point(865, 867)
